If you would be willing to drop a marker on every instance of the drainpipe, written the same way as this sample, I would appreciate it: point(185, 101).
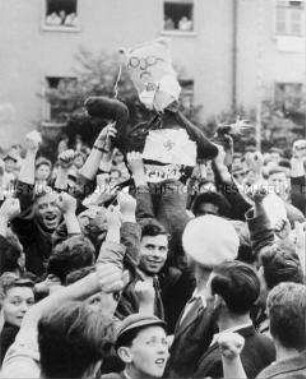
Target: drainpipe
point(234, 54)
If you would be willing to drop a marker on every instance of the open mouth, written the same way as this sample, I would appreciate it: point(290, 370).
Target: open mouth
point(51, 220)
point(50, 217)
point(154, 261)
point(160, 361)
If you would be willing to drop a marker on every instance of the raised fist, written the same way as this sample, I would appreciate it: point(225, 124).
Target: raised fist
point(33, 140)
point(10, 208)
point(104, 139)
point(230, 345)
point(135, 162)
point(110, 277)
point(113, 217)
point(127, 205)
point(259, 195)
point(145, 292)
point(66, 159)
point(66, 203)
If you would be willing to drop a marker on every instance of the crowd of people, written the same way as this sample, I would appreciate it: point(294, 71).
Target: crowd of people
point(61, 18)
point(106, 275)
point(184, 24)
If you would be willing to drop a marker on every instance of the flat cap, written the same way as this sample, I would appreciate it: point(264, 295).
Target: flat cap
point(137, 321)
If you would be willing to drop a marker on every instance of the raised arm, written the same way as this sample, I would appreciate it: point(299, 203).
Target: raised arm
point(9, 209)
point(26, 179)
point(65, 160)
point(228, 187)
point(22, 359)
point(144, 208)
point(261, 232)
point(101, 147)
point(68, 205)
point(231, 345)
point(27, 171)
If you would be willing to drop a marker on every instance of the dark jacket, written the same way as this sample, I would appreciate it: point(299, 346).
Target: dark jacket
point(129, 303)
point(9, 255)
point(191, 338)
point(298, 195)
point(167, 203)
point(114, 375)
point(260, 229)
point(36, 241)
point(7, 338)
point(229, 189)
point(292, 368)
point(258, 352)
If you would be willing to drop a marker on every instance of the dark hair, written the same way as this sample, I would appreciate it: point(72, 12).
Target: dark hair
point(43, 161)
point(10, 280)
point(71, 338)
point(212, 198)
point(238, 285)
point(151, 227)
point(284, 163)
point(74, 253)
point(127, 338)
point(276, 170)
point(280, 265)
point(287, 312)
point(276, 150)
point(10, 252)
point(76, 275)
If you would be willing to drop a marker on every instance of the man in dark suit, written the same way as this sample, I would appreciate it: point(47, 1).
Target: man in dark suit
point(235, 287)
point(207, 240)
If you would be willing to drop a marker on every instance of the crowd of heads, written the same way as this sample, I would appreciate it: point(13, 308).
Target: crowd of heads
point(239, 245)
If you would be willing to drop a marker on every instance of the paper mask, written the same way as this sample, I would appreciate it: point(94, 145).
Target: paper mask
point(150, 68)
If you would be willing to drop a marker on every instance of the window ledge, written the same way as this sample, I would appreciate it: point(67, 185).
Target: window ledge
point(290, 44)
point(61, 29)
point(53, 124)
point(178, 33)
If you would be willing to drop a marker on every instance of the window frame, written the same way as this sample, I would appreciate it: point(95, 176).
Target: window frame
point(60, 28)
point(288, 7)
point(299, 90)
point(47, 107)
point(177, 32)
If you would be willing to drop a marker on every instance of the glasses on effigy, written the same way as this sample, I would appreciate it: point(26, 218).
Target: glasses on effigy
point(144, 63)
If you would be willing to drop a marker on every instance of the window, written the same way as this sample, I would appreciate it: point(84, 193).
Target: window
point(60, 99)
point(290, 18)
point(187, 95)
point(289, 96)
point(178, 15)
point(61, 13)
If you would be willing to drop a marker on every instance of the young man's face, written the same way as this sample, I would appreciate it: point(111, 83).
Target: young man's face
point(10, 165)
point(43, 172)
point(48, 211)
point(17, 302)
point(153, 253)
point(149, 352)
point(279, 182)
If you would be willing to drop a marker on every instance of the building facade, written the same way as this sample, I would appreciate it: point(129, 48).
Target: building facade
point(232, 51)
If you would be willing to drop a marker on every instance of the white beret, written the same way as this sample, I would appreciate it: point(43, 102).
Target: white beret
point(210, 240)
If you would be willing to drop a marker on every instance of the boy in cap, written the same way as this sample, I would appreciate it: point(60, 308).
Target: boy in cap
point(142, 346)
